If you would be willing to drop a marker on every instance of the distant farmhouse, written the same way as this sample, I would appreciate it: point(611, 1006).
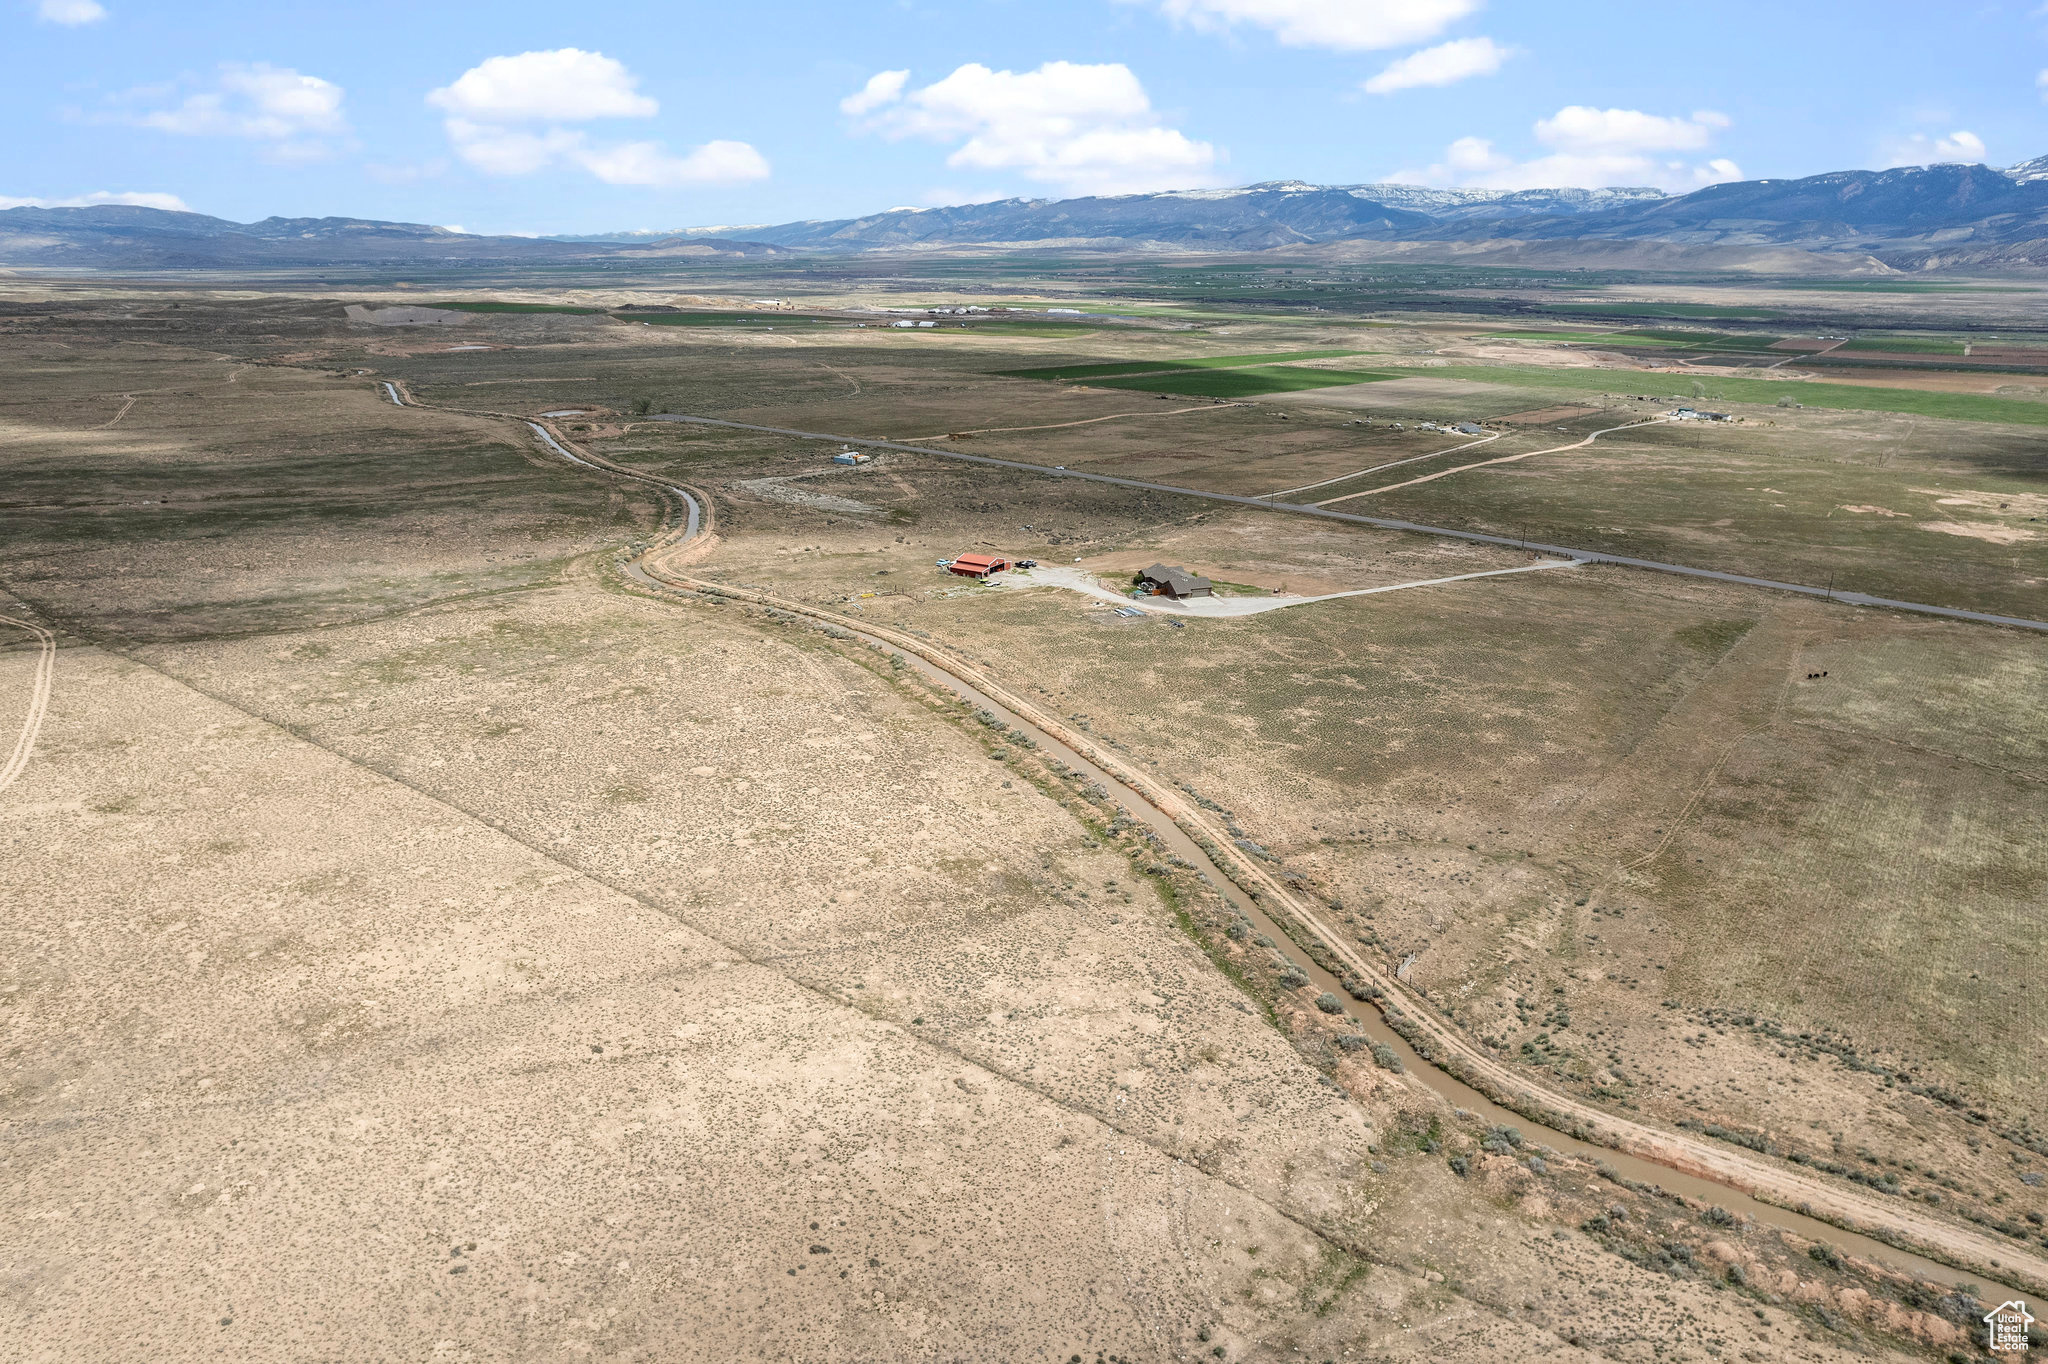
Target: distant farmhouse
point(1163, 581)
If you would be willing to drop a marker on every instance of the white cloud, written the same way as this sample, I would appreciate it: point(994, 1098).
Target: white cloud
point(884, 87)
point(1474, 155)
point(647, 163)
point(1446, 64)
point(2041, 82)
point(1581, 129)
point(1591, 149)
point(1961, 145)
point(70, 13)
point(510, 151)
point(297, 115)
point(1342, 25)
point(505, 116)
point(1923, 150)
point(565, 86)
point(1082, 129)
point(130, 198)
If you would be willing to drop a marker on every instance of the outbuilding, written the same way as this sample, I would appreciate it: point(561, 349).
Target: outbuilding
point(1164, 580)
point(977, 565)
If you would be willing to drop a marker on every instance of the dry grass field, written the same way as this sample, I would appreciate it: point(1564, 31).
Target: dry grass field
point(416, 943)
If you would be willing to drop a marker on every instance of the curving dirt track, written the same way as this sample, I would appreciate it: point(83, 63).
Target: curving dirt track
point(1886, 1219)
point(1504, 459)
point(38, 699)
point(1085, 421)
point(1392, 464)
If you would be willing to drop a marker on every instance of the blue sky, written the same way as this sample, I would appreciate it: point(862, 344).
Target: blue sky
point(526, 117)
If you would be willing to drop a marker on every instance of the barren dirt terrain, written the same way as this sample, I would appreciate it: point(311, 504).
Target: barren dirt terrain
point(422, 941)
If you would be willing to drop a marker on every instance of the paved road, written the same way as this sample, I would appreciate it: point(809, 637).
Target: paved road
point(1591, 556)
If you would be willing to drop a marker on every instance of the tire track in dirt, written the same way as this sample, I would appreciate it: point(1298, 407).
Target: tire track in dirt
point(1085, 421)
point(1504, 459)
point(1706, 784)
point(38, 698)
point(1391, 464)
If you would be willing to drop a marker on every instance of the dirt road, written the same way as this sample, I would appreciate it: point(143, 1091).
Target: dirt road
point(1888, 1219)
point(1504, 459)
point(1593, 556)
point(38, 698)
point(1085, 421)
point(1223, 608)
point(1391, 464)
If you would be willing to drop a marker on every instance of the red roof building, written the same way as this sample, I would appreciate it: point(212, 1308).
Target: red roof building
point(977, 565)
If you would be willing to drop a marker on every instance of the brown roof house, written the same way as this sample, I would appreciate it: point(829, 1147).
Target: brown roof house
point(1177, 583)
point(977, 565)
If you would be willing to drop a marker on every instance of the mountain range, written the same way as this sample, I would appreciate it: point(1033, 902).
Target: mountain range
point(1910, 218)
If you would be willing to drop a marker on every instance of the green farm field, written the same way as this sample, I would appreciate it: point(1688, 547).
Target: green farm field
point(1242, 383)
point(1118, 368)
point(1968, 407)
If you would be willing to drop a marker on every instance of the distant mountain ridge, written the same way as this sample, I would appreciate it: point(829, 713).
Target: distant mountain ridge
point(122, 237)
point(1442, 203)
point(2037, 169)
point(1872, 212)
point(1909, 218)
